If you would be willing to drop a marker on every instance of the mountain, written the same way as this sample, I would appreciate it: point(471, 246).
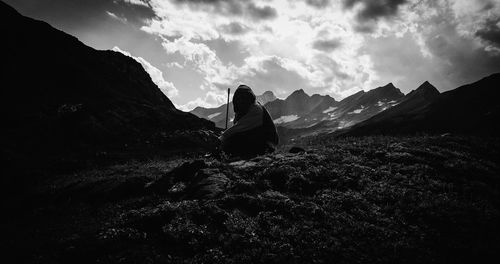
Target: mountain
point(60, 96)
point(363, 105)
point(317, 114)
point(293, 111)
point(266, 97)
point(469, 109)
point(425, 91)
point(413, 101)
point(218, 114)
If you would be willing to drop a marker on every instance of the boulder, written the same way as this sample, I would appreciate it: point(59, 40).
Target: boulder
point(207, 184)
point(183, 173)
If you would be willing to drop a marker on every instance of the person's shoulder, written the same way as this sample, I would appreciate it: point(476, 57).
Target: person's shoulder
point(257, 107)
point(260, 106)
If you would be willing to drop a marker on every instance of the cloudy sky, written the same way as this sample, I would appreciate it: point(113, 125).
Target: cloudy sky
point(195, 49)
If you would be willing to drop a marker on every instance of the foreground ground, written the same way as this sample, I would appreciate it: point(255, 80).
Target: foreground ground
point(361, 200)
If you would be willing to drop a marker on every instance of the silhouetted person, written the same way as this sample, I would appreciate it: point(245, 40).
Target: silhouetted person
point(253, 132)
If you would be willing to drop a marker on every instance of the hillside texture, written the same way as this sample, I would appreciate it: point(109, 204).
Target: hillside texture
point(61, 98)
point(362, 200)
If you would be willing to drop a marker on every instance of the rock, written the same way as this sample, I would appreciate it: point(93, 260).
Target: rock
point(184, 173)
point(191, 180)
point(208, 184)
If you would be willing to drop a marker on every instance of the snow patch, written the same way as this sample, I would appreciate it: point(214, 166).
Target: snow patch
point(213, 115)
point(357, 111)
point(380, 103)
point(333, 116)
point(286, 119)
point(344, 124)
point(329, 109)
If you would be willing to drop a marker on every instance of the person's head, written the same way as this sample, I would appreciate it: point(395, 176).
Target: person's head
point(243, 98)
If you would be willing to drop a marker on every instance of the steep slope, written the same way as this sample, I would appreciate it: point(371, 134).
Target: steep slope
point(266, 97)
point(60, 96)
point(469, 109)
point(218, 114)
point(323, 113)
point(299, 109)
point(330, 115)
point(363, 105)
point(414, 101)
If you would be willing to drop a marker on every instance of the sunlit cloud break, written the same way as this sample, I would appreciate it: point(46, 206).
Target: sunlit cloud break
point(334, 47)
point(324, 46)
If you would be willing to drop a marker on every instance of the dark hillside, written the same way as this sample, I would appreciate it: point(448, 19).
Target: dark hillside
point(60, 97)
point(470, 109)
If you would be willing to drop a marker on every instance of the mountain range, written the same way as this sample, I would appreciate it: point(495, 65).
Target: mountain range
point(60, 96)
point(470, 109)
point(300, 112)
point(218, 114)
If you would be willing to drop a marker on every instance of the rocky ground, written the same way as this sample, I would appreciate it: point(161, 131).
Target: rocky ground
point(356, 200)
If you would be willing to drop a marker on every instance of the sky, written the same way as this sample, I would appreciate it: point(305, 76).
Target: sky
point(195, 49)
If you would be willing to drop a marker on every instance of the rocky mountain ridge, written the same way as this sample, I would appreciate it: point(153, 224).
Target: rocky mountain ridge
point(61, 98)
point(218, 114)
point(470, 109)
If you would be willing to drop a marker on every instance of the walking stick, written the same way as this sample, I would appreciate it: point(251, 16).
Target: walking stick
point(227, 106)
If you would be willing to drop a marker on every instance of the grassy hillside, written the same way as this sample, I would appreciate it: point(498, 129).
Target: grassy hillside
point(363, 200)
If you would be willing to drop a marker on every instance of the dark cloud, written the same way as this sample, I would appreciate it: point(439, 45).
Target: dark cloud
point(364, 27)
point(225, 7)
point(229, 52)
point(327, 45)
point(335, 68)
point(234, 28)
point(488, 6)
point(372, 10)
point(273, 77)
point(232, 8)
point(258, 13)
point(318, 3)
point(491, 32)
point(74, 14)
point(452, 59)
point(462, 61)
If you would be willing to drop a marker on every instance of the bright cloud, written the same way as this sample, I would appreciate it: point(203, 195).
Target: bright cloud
point(328, 47)
point(136, 2)
point(166, 87)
